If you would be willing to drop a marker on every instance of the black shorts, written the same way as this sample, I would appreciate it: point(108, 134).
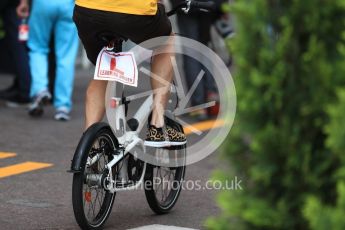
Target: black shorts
point(138, 28)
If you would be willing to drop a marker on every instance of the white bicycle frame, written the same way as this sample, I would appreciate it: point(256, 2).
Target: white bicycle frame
point(128, 141)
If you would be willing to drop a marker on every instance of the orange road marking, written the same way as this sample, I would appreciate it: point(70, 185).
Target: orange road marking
point(31, 166)
point(203, 126)
point(4, 155)
point(21, 168)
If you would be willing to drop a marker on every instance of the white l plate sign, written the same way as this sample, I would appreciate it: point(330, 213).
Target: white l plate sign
point(120, 67)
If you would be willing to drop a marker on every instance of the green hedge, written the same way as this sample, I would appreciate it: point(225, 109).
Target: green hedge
point(287, 142)
point(322, 215)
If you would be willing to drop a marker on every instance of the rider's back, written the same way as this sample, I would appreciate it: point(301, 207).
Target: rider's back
point(137, 7)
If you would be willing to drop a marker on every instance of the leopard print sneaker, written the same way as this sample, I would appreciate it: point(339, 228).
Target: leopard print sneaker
point(164, 137)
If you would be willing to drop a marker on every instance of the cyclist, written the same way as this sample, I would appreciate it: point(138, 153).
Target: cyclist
point(137, 21)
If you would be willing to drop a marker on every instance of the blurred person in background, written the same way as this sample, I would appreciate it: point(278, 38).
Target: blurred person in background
point(47, 17)
point(18, 93)
point(197, 26)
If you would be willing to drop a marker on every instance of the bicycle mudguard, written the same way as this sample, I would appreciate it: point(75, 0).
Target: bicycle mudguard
point(84, 145)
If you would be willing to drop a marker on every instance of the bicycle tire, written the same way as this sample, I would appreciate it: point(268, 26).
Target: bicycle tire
point(158, 206)
point(78, 197)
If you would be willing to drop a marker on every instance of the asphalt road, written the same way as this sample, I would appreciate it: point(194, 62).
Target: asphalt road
point(41, 199)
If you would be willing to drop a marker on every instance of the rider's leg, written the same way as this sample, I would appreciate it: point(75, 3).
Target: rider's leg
point(161, 67)
point(162, 75)
point(95, 102)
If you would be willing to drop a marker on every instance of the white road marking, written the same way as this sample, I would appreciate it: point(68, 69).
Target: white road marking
point(160, 227)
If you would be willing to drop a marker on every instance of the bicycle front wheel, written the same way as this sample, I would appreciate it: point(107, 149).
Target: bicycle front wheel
point(92, 204)
point(163, 185)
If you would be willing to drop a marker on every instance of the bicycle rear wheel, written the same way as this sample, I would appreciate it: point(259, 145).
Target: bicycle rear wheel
point(91, 203)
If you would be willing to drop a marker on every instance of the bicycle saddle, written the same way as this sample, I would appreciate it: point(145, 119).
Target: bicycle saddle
point(111, 39)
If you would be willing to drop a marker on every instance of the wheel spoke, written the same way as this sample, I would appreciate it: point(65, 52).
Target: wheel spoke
point(100, 200)
point(166, 187)
point(93, 210)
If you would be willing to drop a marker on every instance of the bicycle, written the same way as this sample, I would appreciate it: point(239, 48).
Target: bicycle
point(105, 163)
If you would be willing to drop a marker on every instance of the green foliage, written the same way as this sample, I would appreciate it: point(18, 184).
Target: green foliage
point(289, 59)
point(320, 214)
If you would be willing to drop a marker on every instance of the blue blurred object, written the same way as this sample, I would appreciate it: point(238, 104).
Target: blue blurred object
point(47, 17)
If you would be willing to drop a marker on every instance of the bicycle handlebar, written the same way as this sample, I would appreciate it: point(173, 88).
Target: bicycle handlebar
point(187, 5)
point(209, 5)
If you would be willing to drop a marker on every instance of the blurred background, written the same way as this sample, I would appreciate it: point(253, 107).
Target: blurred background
point(287, 143)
